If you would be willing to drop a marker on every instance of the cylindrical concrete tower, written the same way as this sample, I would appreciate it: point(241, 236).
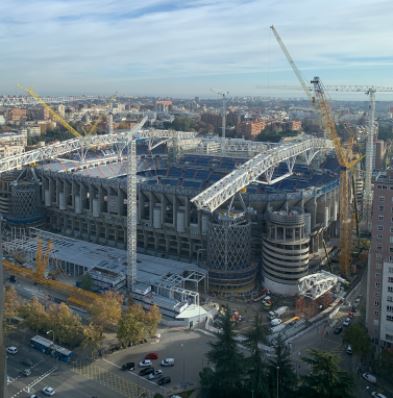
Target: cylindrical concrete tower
point(231, 272)
point(285, 251)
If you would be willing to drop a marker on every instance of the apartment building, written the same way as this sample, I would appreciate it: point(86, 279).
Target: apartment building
point(379, 311)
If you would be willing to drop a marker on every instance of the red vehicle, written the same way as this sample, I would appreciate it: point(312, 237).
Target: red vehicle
point(151, 355)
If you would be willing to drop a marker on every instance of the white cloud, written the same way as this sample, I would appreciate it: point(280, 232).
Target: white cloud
point(158, 46)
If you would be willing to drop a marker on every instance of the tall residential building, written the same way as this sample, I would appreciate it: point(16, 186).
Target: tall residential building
point(379, 311)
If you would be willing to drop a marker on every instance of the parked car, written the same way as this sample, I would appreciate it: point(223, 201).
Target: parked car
point(369, 377)
point(155, 375)
point(151, 355)
point(357, 300)
point(146, 371)
point(347, 322)
point(26, 372)
point(48, 391)
point(378, 395)
point(12, 278)
point(348, 350)
point(128, 366)
point(164, 380)
point(12, 350)
point(338, 329)
point(145, 363)
point(275, 322)
point(33, 396)
point(168, 362)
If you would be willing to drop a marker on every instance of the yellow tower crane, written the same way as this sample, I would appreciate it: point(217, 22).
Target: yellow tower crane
point(344, 157)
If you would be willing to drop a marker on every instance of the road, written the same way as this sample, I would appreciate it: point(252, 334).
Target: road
point(188, 348)
point(47, 371)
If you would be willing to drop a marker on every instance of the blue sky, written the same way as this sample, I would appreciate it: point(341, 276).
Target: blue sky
point(185, 47)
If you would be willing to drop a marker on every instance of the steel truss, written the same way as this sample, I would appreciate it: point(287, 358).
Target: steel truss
point(263, 163)
point(316, 285)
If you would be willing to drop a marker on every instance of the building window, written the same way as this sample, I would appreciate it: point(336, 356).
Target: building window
point(381, 210)
point(390, 289)
point(388, 337)
point(390, 270)
point(389, 308)
point(390, 279)
point(382, 198)
point(389, 318)
point(376, 303)
point(379, 236)
point(390, 299)
point(380, 227)
point(380, 218)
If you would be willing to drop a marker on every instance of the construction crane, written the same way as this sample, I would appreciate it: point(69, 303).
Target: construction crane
point(284, 49)
point(344, 160)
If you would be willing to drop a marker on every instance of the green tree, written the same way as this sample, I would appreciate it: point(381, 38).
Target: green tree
point(92, 338)
point(86, 282)
point(106, 313)
point(66, 325)
point(152, 319)
point(225, 379)
point(281, 371)
point(356, 335)
point(131, 327)
point(183, 123)
point(325, 379)
point(257, 373)
point(384, 365)
point(35, 315)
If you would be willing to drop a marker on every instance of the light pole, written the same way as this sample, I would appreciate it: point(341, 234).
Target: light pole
point(183, 363)
point(278, 381)
point(53, 339)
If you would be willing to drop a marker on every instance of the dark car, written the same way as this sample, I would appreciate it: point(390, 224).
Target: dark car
point(128, 366)
point(164, 380)
point(12, 278)
point(338, 330)
point(146, 371)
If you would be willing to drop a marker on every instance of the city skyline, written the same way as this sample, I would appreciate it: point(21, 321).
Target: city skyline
point(184, 48)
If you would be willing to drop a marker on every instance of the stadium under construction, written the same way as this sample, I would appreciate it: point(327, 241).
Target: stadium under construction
point(269, 235)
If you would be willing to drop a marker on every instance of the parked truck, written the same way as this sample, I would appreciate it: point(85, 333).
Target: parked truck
point(278, 312)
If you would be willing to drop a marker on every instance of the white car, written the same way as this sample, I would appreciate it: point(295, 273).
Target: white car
point(48, 391)
point(369, 377)
point(349, 349)
point(168, 362)
point(347, 322)
point(155, 375)
point(12, 350)
point(275, 322)
point(378, 395)
point(145, 363)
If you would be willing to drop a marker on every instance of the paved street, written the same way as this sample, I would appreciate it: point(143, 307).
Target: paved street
point(188, 348)
point(47, 371)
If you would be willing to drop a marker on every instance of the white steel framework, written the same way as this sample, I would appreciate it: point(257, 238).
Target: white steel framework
point(263, 163)
point(316, 285)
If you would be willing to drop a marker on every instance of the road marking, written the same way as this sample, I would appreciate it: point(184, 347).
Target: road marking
point(111, 363)
point(36, 381)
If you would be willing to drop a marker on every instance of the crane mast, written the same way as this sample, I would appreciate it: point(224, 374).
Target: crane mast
point(345, 183)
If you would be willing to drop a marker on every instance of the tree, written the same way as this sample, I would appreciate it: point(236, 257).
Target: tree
point(281, 372)
point(106, 312)
point(66, 326)
point(35, 315)
point(152, 320)
point(356, 335)
point(385, 364)
point(257, 375)
point(325, 379)
point(131, 327)
point(86, 282)
point(11, 302)
point(225, 379)
point(92, 338)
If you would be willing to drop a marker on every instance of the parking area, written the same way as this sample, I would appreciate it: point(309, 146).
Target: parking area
point(188, 348)
point(46, 371)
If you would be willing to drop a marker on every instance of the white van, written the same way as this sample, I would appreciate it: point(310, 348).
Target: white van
point(369, 377)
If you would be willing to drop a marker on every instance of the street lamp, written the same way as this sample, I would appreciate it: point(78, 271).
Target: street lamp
point(184, 364)
point(278, 370)
point(53, 338)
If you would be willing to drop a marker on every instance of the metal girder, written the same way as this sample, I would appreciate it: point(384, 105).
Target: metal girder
point(316, 285)
point(218, 193)
point(75, 144)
